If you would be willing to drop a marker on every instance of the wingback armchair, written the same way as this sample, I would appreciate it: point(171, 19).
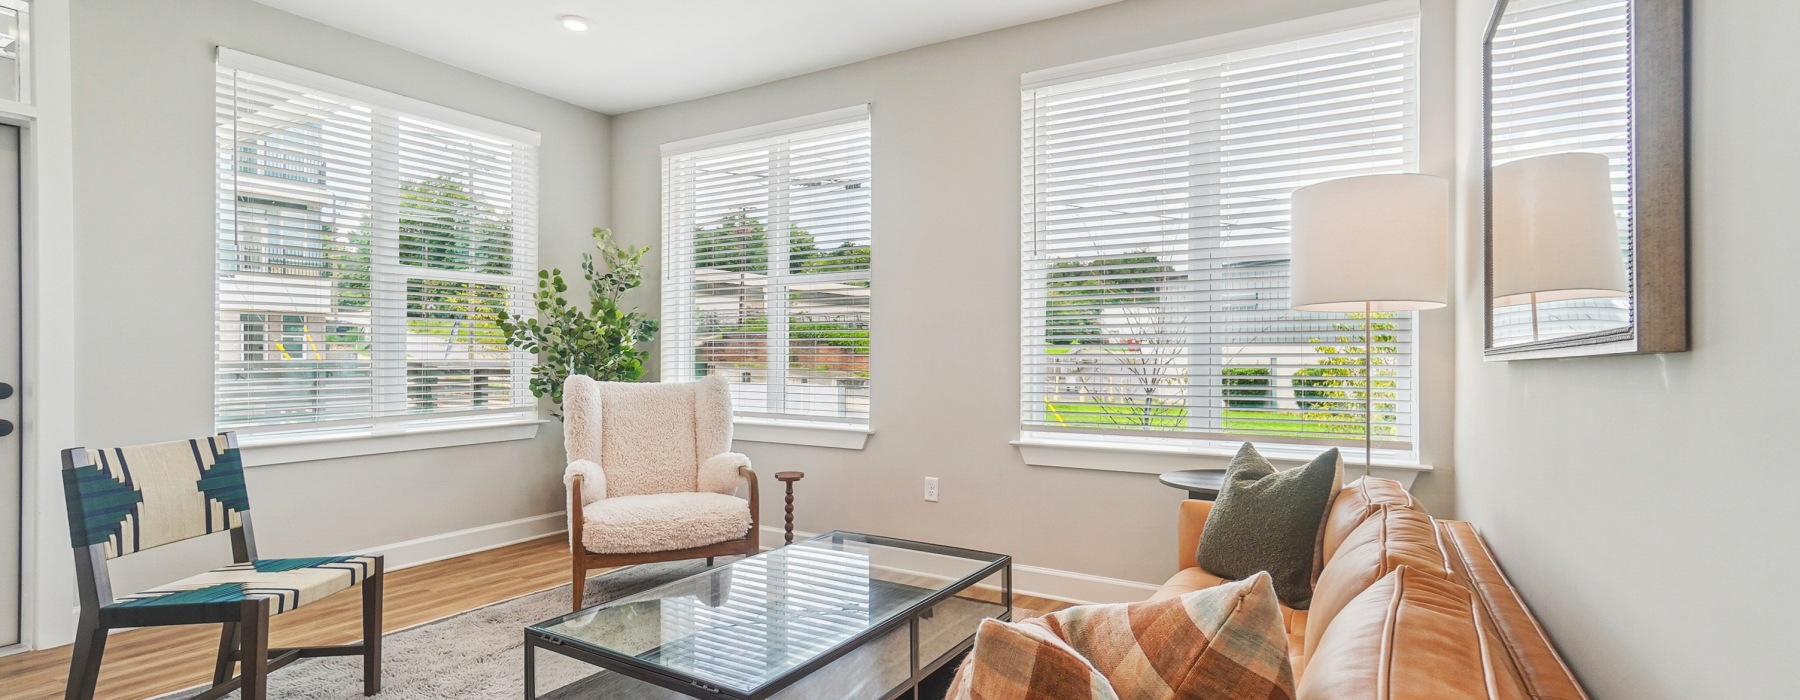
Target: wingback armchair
point(651, 476)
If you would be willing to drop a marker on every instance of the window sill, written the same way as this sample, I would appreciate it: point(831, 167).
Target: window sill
point(260, 451)
point(1155, 458)
point(842, 437)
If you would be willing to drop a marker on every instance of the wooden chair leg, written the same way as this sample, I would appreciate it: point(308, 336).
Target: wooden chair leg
point(84, 663)
point(578, 586)
point(228, 646)
point(253, 625)
point(371, 619)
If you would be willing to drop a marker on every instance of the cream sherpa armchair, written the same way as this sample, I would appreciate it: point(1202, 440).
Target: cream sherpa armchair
point(651, 476)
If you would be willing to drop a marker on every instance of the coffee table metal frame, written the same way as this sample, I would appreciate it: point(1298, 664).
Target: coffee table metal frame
point(692, 686)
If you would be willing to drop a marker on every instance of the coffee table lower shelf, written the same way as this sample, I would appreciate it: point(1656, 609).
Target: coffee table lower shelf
point(886, 660)
point(617, 685)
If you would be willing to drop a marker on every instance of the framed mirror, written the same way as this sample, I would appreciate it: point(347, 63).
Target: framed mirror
point(1585, 118)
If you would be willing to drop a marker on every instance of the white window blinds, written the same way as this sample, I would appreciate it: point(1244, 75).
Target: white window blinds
point(1560, 78)
point(767, 238)
point(1156, 243)
point(365, 241)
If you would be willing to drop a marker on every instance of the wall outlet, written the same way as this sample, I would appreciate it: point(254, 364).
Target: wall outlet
point(931, 489)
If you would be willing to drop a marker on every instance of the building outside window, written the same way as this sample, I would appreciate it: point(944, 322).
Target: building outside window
point(365, 243)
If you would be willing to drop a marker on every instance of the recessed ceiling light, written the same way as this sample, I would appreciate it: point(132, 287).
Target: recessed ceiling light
point(574, 23)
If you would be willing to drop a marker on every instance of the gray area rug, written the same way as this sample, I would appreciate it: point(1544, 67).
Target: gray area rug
point(477, 654)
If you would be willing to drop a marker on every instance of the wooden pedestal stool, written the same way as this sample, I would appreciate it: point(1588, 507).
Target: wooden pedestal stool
point(789, 478)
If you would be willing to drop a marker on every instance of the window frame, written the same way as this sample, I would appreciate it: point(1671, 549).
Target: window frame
point(385, 430)
point(677, 352)
point(1150, 451)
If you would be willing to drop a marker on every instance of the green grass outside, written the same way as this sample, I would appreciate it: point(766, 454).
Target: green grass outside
point(1270, 423)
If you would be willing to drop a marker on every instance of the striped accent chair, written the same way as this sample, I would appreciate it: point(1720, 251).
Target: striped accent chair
point(127, 500)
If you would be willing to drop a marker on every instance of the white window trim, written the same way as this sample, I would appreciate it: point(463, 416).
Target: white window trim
point(1141, 456)
point(850, 436)
point(281, 71)
point(805, 433)
point(1230, 42)
point(1150, 454)
point(265, 449)
point(304, 442)
point(770, 130)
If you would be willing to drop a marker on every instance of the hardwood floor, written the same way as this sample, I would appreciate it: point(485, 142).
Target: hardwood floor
point(148, 662)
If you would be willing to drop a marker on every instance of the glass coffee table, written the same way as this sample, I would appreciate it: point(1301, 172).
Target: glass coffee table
point(841, 615)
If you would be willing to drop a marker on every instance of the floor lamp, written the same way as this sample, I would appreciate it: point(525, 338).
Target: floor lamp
point(1370, 244)
point(1556, 236)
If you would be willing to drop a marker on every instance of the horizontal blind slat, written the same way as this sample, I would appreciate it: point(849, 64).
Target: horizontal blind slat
point(766, 271)
point(363, 253)
point(1155, 249)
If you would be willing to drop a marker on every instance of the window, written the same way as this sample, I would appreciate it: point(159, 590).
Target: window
point(365, 242)
point(767, 239)
point(15, 51)
point(1156, 239)
point(1560, 84)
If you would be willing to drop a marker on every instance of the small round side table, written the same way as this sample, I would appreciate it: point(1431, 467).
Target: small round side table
point(1202, 484)
point(789, 478)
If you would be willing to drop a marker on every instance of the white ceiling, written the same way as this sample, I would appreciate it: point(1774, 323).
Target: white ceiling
point(643, 53)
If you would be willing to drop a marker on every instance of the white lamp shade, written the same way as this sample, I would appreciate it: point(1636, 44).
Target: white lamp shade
point(1375, 240)
point(1555, 234)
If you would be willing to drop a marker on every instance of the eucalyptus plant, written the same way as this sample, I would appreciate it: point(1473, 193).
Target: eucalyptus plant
point(599, 341)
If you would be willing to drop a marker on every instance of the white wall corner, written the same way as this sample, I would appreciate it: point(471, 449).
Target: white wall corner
point(47, 392)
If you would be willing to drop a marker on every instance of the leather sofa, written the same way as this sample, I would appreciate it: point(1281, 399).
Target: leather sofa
point(1404, 607)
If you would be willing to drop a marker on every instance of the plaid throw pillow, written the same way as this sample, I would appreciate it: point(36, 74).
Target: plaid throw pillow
point(1227, 641)
point(1025, 661)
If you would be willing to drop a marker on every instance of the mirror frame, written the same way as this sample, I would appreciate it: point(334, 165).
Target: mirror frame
point(1659, 183)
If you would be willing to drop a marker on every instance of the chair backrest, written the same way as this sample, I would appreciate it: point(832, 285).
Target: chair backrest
point(125, 500)
point(647, 438)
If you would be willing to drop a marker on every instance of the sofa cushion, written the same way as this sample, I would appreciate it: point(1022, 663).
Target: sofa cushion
point(1270, 521)
point(1392, 537)
point(1410, 635)
point(662, 522)
point(1225, 641)
point(1025, 661)
point(1186, 581)
point(1354, 504)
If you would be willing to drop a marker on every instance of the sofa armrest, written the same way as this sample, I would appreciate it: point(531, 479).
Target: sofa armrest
point(1192, 521)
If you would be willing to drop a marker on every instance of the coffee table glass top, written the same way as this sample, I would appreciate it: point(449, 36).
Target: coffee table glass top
point(749, 623)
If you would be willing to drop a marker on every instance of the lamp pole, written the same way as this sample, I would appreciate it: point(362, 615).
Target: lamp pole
point(1368, 388)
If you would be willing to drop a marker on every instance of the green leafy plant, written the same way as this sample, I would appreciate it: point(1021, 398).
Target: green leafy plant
point(599, 341)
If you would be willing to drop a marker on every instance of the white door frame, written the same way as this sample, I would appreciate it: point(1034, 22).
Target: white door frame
point(47, 328)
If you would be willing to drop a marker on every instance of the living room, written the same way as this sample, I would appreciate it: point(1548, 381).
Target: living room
point(993, 290)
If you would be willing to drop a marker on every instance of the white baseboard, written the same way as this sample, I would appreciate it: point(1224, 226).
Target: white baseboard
point(1077, 587)
point(425, 550)
point(1070, 586)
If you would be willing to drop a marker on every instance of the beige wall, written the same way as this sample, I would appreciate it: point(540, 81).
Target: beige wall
point(945, 377)
point(1646, 504)
point(143, 121)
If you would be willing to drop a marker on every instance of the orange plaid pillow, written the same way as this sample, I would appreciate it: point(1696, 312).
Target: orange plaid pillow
point(1227, 641)
point(1025, 661)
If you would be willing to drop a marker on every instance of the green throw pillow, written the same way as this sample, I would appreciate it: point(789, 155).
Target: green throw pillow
point(1268, 520)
